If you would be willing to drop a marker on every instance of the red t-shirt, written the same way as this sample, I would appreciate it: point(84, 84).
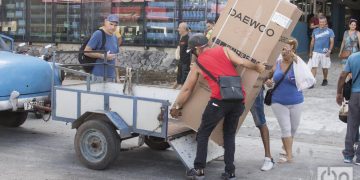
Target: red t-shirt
point(217, 63)
point(314, 20)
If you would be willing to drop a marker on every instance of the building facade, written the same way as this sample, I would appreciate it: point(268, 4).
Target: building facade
point(143, 23)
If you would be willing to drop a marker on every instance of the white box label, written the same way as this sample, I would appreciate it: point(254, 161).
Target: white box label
point(281, 20)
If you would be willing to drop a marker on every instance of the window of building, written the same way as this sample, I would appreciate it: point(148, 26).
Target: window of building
point(194, 13)
point(40, 20)
point(161, 22)
point(13, 18)
point(67, 21)
point(131, 24)
point(93, 15)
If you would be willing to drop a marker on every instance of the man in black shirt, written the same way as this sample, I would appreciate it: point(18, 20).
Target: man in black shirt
point(185, 58)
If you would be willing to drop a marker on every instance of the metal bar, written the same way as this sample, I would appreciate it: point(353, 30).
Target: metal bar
point(74, 71)
point(44, 108)
point(88, 83)
point(93, 51)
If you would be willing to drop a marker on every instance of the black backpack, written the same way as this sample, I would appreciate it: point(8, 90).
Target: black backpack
point(83, 59)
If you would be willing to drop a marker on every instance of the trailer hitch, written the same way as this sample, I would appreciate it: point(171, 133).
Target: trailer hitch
point(43, 109)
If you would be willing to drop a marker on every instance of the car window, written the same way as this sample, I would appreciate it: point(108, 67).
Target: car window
point(4, 46)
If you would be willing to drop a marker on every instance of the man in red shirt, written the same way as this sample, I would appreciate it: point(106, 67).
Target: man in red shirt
point(219, 61)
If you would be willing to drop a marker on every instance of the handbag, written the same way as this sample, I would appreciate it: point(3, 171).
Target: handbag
point(177, 53)
point(345, 54)
point(230, 86)
point(269, 92)
point(347, 89)
point(343, 112)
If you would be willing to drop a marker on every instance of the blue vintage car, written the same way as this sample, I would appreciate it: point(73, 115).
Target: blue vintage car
point(24, 81)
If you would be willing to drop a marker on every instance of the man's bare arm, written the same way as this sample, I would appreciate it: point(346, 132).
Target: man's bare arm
point(235, 59)
point(341, 82)
point(187, 88)
point(311, 46)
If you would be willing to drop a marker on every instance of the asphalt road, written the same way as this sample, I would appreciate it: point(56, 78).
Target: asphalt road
point(41, 150)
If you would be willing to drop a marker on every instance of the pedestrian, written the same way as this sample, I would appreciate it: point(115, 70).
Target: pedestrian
point(313, 22)
point(257, 111)
point(185, 58)
point(353, 120)
point(351, 41)
point(111, 47)
point(218, 61)
point(322, 43)
point(286, 99)
point(209, 28)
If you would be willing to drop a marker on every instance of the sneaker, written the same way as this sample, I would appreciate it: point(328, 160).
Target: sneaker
point(324, 83)
point(348, 159)
point(195, 174)
point(311, 87)
point(268, 164)
point(228, 176)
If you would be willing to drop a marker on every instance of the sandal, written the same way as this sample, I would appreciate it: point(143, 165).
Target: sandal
point(283, 153)
point(283, 160)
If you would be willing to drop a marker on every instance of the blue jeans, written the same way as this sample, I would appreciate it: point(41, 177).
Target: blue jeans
point(257, 110)
point(214, 112)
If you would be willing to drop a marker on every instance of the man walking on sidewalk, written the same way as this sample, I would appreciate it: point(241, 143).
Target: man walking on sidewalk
point(353, 120)
point(111, 47)
point(257, 111)
point(321, 45)
point(185, 58)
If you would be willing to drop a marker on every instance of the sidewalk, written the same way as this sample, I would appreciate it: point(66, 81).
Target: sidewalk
point(308, 157)
point(319, 140)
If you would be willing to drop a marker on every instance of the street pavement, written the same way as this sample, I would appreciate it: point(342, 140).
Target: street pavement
point(44, 150)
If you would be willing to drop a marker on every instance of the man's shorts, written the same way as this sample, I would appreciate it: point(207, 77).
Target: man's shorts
point(319, 60)
point(257, 110)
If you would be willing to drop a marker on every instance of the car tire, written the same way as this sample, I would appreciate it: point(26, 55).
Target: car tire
point(12, 119)
point(156, 143)
point(97, 144)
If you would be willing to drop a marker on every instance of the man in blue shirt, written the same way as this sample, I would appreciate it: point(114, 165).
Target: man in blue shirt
point(111, 47)
point(353, 120)
point(321, 45)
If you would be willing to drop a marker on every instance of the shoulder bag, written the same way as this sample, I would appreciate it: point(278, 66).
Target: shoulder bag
point(230, 86)
point(345, 54)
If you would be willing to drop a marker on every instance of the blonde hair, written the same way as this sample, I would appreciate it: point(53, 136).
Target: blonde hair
point(293, 43)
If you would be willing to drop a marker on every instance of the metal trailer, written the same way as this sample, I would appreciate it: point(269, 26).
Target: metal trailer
point(104, 116)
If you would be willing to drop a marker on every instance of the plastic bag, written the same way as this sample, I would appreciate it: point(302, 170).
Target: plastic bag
point(177, 53)
point(303, 76)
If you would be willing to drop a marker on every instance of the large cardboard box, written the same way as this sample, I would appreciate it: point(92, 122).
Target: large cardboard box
point(254, 30)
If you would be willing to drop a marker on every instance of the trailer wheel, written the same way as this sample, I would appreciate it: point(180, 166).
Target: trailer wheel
point(12, 119)
point(97, 144)
point(156, 143)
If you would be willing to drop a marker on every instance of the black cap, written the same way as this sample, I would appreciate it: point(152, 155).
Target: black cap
point(196, 40)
